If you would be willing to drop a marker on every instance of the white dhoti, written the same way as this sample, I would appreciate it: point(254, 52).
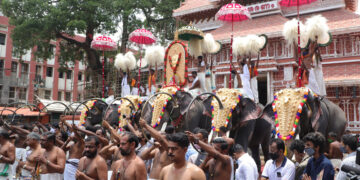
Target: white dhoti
point(70, 169)
point(245, 81)
point(109, 174)
point(153, 89)
point(319, 77)
point(313, 84)
point(51, 176)
point(195, 92)
point(208, 84)
point(201, 76)
point(254, 89)
point(125, 90)
point(5, 171)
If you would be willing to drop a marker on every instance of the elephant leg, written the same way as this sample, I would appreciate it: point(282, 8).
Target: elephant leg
point(256, 156)
point(242, 135)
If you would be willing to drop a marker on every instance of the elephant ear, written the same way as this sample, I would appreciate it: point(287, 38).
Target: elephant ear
point(184, 99)
point(249, 110)
point(268, 114)
point(314, 106)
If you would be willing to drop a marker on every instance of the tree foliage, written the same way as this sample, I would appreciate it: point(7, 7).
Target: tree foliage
point(39, 23)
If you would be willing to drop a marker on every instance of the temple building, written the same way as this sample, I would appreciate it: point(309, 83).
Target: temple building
point(341, 59)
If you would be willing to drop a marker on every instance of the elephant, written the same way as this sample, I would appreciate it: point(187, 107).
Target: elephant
point(95, 113)
point(318, 115)
point(245, 126)
point(174, 111)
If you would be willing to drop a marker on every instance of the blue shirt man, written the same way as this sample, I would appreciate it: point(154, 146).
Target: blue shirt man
point(318, 166)
point(315, 166)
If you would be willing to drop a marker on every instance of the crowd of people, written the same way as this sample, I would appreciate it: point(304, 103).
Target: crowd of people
point(64, 151)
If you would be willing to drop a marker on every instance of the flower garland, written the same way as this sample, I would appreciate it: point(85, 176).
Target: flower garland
point(119, 113)
point(227, 118)
point(85, 111)
point(163, 108)
point(296, 122)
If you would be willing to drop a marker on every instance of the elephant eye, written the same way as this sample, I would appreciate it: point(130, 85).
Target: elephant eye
point(124, 116)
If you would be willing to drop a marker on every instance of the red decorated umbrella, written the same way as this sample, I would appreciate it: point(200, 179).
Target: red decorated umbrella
point(232, 13)
point(103, 43)
point(141, 36)
point(289, 3)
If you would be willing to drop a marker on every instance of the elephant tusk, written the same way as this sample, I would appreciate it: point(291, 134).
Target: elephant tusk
point(163, 127)
point(228, 134)
point(210, 136)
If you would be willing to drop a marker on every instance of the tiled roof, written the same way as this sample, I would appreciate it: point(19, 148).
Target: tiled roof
point(22, 111)
point(191, 6)
point(263, 25)
point(339, 21)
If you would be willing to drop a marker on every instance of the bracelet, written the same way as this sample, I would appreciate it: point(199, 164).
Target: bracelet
point(24, 166)
point(47, 162)
point(1, 156)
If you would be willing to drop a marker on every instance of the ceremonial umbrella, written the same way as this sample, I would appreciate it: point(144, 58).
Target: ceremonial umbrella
point(188, 32)
point(103, 43)
point(141, 36)
point(232, 13)
point(289, 3)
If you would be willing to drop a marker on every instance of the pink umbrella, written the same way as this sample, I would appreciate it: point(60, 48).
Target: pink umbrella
point(288, 3)
point(232, 13)
point(141, 36)
point(103, 43)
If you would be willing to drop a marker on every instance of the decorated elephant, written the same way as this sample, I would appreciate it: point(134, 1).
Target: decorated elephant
point(299, 111)
point(92, 113)
point(238, 114)
point(167, 107)
point(129, 107)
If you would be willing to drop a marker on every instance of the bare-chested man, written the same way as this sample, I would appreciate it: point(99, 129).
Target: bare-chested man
point(220, 165)
point(158, 152)
point(130, 166)
point(31, 164)
point(92, 165)
point(52, 162)
point(180, 169)
point(7, 155)
point(75, 145)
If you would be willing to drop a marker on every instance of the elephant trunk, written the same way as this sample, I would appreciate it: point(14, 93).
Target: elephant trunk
point(198, 96)
point(116, 99)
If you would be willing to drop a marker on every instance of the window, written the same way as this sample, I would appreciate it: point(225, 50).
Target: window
point(61, 74)
point(24, 68)
point(22, 94)
point(38, 69)
point(2, 39)
point(87, 78)
point(14, 67)
point(49, 71)
point(12, 92)
point(59, 96)
point(1, 64)
point(67, 96)
point(79, 97)
point(47, 94)
point(0, 91)
point(80, 76)
point(68, 74)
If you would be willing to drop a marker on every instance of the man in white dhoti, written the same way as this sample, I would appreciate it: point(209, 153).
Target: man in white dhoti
point(125, 87)
point(52, 162)
point(195, 88)
point(152, 80)
point(7, 155)
point(312, 63)
point(253, 79)
point(245, 80)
